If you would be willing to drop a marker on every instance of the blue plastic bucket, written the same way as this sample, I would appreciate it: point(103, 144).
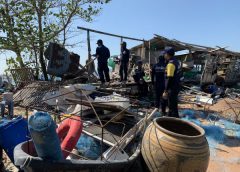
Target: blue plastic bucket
point(13, 132)
point(43, 131)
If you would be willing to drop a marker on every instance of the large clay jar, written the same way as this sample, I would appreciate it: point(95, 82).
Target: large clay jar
point(174, 145)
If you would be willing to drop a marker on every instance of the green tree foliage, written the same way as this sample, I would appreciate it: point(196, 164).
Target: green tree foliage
point(27, 26)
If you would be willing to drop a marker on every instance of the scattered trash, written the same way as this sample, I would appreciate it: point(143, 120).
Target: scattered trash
point(204, 99)
point(114, 99)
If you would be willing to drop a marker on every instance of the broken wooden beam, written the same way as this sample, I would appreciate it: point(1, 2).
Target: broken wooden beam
point(110, 34)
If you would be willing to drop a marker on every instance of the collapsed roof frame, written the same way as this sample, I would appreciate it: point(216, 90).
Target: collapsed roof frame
point(113, 35)
point(195, 47)
point(105, 33)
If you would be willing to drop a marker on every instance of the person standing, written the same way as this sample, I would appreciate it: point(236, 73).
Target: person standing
point(158, 81)
point(125, 55)
point(102, 54)
point(172, 83)
point(138, 78)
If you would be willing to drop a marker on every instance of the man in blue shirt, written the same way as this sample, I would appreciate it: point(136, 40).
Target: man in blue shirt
point(158, 80)
point(102, 54)
point(125, 55)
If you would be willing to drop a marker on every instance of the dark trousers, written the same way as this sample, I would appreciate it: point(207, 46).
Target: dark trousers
point(103, 70)
point(123, 71)
point(159, 100)
point(173, 103)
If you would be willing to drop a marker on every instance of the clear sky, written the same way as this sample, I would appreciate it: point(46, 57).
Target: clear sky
point(205, 22)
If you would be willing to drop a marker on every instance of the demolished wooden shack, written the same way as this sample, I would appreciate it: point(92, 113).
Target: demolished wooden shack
point(206, 63)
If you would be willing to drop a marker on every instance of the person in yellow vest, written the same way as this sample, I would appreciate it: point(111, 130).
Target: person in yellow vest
point(172, 82)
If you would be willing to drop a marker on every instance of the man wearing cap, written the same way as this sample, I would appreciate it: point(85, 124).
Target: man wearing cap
point(102, 54)
point(125, 55)
point(172, 83)
point(158, 81)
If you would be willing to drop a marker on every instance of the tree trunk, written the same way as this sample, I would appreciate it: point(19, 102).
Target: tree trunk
point(19, 59)
point(36, 58)
point(12, 36)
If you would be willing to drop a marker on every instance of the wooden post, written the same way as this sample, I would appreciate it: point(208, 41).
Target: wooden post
point(89, 53)
point(89, 45)
point(142, 52)
point(149, 58)
point(121, 47)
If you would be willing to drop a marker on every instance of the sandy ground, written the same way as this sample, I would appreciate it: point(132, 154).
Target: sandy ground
point(225, 158)
point(226, 107)
point(8, 165)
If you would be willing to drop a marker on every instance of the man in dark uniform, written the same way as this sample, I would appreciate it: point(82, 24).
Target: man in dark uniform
point(138, 78)
point(125, 55)
point(172, 83)
point(158, 80)
point(102, 54)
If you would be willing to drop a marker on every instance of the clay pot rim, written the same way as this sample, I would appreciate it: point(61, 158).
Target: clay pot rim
point(201, 130)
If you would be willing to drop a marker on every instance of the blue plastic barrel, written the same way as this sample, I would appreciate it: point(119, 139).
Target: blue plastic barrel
point(13, 132)
point(43, 131)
